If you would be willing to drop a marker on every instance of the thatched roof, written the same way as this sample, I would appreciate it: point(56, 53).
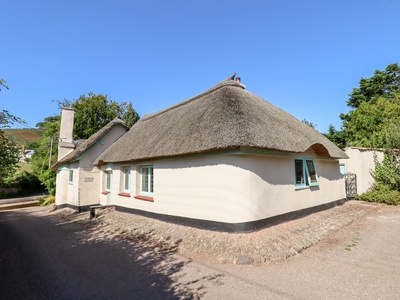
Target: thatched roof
point(83, 145)
point(223, 117)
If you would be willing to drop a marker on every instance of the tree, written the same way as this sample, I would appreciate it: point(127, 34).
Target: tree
point(130, 115)
point(336, 136)
point(373, 120)
point(3, 83)
point(382, 84)
point(43, 158)
point(92, 112)
point(312, 125)
point(9, 152)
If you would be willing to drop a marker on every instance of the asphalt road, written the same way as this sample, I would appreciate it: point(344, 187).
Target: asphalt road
point(43, 258)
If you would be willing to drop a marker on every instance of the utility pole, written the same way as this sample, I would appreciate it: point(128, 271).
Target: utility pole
point(51, 149)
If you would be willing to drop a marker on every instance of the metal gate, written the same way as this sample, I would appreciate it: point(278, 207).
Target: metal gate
point(351, 185)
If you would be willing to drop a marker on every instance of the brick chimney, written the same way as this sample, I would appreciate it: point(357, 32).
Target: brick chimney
point(65, 144)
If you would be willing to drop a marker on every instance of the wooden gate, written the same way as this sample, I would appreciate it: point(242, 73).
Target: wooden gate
point(351, 185)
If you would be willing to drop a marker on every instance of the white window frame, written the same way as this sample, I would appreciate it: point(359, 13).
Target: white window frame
point(108, 180)
point(70, 176)
point(126, 179)
point(146, 184)
point(308, 173)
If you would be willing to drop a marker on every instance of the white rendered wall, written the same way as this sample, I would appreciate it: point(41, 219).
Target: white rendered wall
point(230, 188)
point(361, 162)
point(73, 188)
point(62, 186)
point(85, 188)
point(89, 182)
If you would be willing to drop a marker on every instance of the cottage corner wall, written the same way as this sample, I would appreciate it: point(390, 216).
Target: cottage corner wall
point(229, 188)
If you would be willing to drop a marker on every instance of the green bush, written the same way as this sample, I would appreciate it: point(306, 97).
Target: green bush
point(387, 173)
point(381, 194)
point(24, 183)
point(46, 201)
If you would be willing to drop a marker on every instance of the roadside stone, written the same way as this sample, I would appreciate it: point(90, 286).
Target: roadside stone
point(244, 260)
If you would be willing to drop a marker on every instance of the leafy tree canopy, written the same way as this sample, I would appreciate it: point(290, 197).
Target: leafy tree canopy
point(336, 136)
point(9, 153)
point(375, 124)
point(93, 112)
point(382, 84)
point(373, 120)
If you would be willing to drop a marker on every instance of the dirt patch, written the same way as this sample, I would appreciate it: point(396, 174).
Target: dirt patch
point(270, 244)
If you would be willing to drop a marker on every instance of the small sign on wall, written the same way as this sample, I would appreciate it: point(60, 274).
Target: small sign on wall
point(89, 179)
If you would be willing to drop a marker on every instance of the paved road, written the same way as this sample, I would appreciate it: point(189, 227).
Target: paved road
point(43, 258)
point(21, 199)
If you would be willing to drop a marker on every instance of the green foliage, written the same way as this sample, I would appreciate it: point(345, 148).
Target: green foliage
point(92, 112)
point(46, 201)
point(25, 137)
point(381, 194)
point(42, 160)
point(25, 183)
point(373, 124)
point(374, 120)
point(382, 84)
point(336, 136)
point(387, 180)
point(9, 154)
point(308, 123)
point(3, 83)
point(387, 172)
point(130, 116)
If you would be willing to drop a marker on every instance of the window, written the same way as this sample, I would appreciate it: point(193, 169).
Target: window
point(342, 169)
point(71, 177)
point(146, 180)
point(126, 179)
point(305, 173)
point(107, 180)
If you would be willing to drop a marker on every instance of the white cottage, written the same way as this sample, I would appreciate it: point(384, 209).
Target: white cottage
point(78, 179)
point(223, 160)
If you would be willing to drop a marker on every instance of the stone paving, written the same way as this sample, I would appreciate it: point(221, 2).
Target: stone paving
point(270, 244)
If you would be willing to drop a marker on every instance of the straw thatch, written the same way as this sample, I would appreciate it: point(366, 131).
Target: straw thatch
point(224, 117)
point(83, 145)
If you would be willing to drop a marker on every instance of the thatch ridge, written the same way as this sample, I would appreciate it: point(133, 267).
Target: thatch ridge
point(228, 81)
point(224, 117)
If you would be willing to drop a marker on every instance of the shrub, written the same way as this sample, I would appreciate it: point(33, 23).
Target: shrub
point(46, 201)
point(387, 173)
point(381, 193)
point(23, 184)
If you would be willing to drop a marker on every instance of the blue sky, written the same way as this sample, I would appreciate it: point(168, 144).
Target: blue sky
point(302, 56)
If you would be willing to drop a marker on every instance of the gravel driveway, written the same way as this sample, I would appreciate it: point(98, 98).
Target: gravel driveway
point(347, 252)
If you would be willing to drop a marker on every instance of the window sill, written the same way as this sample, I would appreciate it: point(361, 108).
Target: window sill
point(105, 193)
point(124, 194)
point(302, 187)
point(145, 198)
